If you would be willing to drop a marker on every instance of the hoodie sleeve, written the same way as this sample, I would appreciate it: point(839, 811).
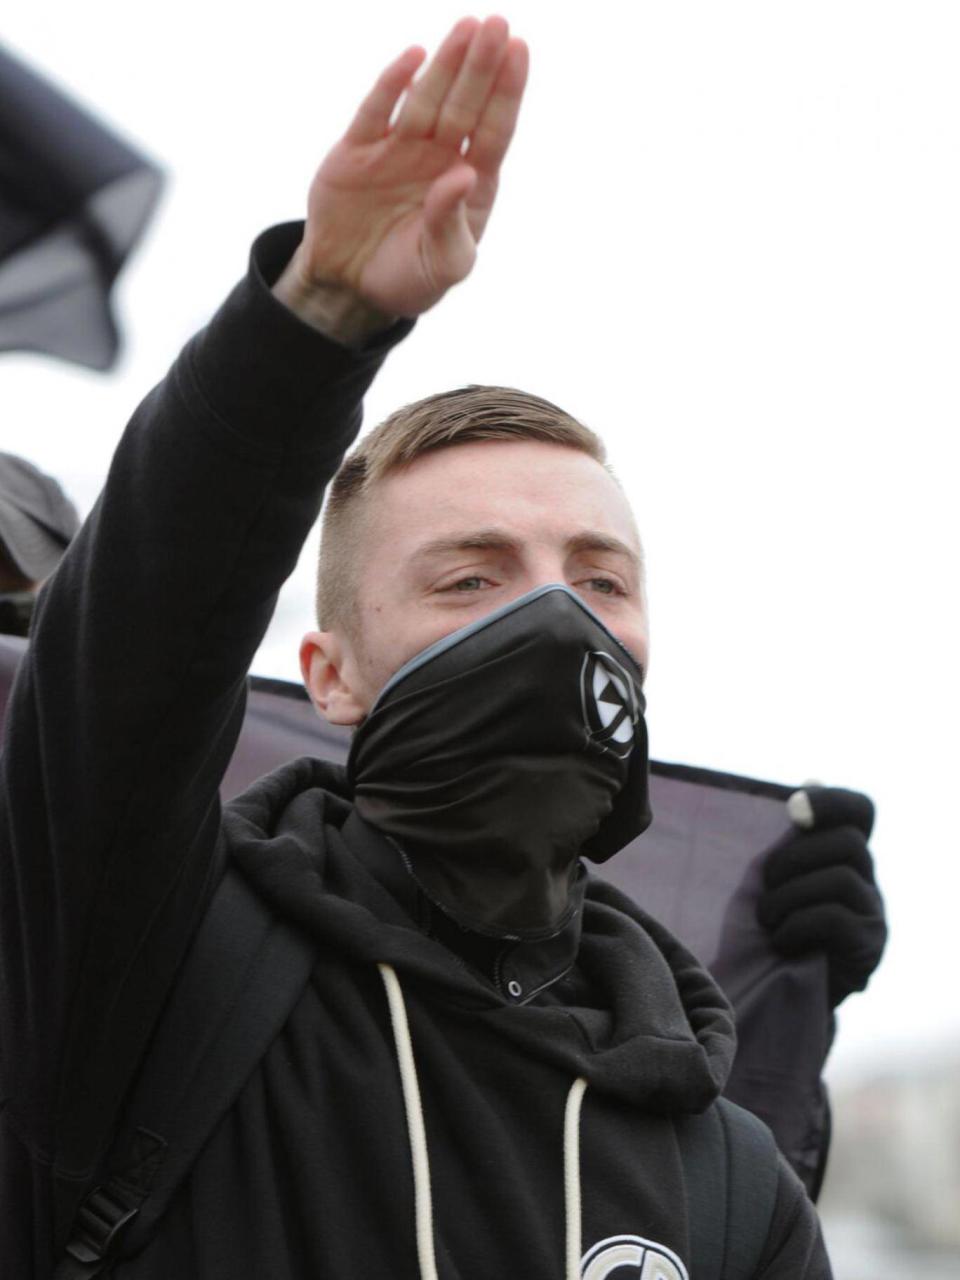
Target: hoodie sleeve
point(129, 701)
point(794, 1249)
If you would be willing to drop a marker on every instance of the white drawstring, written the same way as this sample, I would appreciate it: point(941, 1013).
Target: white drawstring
point(415, 1125)
point(418, 1143)
point(571, 1176)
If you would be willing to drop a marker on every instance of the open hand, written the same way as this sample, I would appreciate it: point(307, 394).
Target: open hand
point(396, 210)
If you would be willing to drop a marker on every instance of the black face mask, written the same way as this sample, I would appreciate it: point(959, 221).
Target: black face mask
point(499, 755)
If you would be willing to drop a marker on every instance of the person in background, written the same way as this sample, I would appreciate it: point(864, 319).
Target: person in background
point(37, 523)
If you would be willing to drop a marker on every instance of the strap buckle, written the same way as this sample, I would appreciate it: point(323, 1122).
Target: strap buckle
point(100, 1219)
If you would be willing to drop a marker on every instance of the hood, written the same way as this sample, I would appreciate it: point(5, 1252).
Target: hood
point(655, 1031)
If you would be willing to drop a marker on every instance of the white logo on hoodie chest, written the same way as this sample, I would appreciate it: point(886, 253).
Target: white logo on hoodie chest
point(631, 1258)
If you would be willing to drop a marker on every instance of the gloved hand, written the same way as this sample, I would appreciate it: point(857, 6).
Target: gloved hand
point(819, 889)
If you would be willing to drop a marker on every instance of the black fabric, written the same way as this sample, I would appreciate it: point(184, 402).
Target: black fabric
point(241, 978)
point(121, 723)
point(703, 1150)
point(752, 1185)
point(521, 969)
point(213, 1036)
point(820, 892)
point(707, 845)
point(737, 1190)
point(498, 755)
point(700, 870)
point(324, 1105)
point(74, 199)
point(732, 1180)
point(16, 610)
point(124, 715)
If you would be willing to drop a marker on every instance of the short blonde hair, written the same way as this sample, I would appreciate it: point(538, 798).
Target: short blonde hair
point(437, 422)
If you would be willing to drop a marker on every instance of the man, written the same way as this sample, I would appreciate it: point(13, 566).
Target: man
point(37, 521)
point(489, 1067)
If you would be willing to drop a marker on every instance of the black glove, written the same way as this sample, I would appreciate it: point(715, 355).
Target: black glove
point(819, 889)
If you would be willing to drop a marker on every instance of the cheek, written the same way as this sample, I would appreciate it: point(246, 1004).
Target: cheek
point(636, 637)
point(640, 648)
point(384, 644)
point(645, 645)
point(373, 671)
point(645, 655)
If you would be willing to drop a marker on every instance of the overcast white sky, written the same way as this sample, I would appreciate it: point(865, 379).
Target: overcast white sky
point(727, 239)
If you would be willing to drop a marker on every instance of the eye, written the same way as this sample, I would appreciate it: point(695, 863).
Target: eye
point(466, 585)
point(605, 586)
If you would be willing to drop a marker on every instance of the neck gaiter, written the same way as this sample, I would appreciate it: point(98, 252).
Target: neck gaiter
point(500, 754)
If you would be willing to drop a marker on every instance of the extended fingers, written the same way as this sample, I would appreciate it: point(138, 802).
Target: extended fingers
point(421, 107)
point(493, 133)
point(373, 115)
point(464, 102)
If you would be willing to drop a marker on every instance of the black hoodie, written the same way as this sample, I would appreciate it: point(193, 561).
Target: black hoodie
point(120, 727)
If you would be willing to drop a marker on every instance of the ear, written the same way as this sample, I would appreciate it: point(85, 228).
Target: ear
point(328, 675)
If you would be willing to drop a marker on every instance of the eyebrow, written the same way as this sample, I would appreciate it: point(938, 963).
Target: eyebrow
point(594, 541)
point(499, 540)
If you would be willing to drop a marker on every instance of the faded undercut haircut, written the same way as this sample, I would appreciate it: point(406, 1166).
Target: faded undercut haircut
point(438, 422)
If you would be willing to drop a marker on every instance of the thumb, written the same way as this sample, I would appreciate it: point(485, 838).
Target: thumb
point(450, 245)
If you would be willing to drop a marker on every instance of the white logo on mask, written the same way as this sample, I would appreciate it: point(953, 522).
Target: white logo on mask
point(631, 1258)
point(609, 698)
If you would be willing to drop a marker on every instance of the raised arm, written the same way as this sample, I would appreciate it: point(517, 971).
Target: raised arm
point(128, 703)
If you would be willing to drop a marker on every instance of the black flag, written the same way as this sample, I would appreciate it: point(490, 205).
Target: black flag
point(74, 199)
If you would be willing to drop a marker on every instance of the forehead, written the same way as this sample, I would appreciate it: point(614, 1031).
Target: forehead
point(538, 491)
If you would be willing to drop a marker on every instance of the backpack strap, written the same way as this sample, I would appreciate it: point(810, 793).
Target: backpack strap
point(703, 1154)
point(754, 1175)
point(241, 979)
point(731, 1171)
